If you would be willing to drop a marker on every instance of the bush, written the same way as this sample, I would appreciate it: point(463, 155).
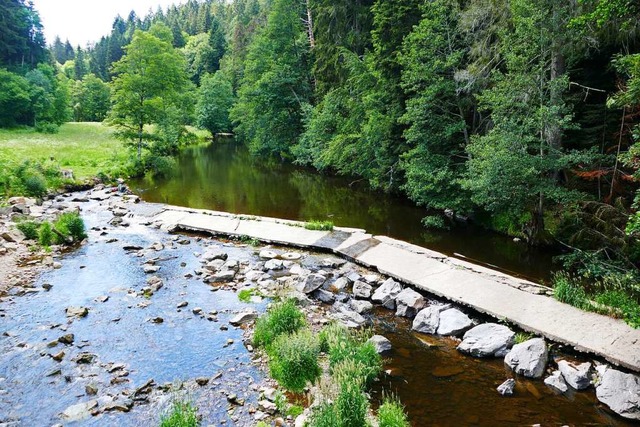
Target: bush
point(282, 318)
point(354, 358)
point(182, 414)
point(45, 234)
point(434, 222)
point(352, 406)
point(47, 127)
point(324, 416)
point(623, 305)
point(35, 185)
point(293, 360)
point(70, 224)
point(391, 414)
point(29, 229)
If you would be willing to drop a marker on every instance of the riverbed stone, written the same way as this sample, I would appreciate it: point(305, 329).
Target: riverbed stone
point(381, 344)
point(619, 391)
point(223, 276)
point(244, 317)
point(487, 340)
point(311, 283)
point(77, 311)
point(576, 375)
point(273, 264)
point(214, 265)
point(387, 293)
point(409, 302)
point(362, 290)
point(427, 320)
point(79, 411)
point(528, 358)
point(324, 296)
point(267, 254)
point(213, 254)
point(453, 322)
point(557, 382)
point(150, 268)
point(360, 306)
point(507, 387)
point(340, 284)
point(347, 316)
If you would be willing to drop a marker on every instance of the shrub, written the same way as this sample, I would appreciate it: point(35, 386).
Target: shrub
point(35, 185)
point(47, 127)
point(391, 414)
point(352, 406)
point(434, 222)
point(324, 416)
point(282, 318)
point(293, 360)
point(353, 357)
point(626, 307)
point(182, 414)
point(319, 225)
point(566, 290)
point(70, 224)
point(29, 229)
point(45, 234)
point(331, 335)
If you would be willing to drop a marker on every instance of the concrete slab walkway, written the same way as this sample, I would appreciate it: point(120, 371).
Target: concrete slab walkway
point(519, 301)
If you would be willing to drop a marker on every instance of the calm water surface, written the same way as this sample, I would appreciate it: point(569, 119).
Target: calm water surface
point(223, 176)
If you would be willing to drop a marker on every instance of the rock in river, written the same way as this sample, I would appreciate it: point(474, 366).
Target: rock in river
point(619, 391)
point(557, 382)
point(381, 344)
point(386, 294)
point(244, 317)
point(362, 290)
point(528, 358)
point(453, 322)
point(506, 388)
point(427, 320)
point(311, 283)
point(77, 311)
point(79, 411)
point(408, 302)
point(486, 340)
point(577, 376)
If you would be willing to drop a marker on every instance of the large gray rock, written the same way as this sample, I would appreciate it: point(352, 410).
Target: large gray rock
point(311, 283)
point(528, 358)
point(409, 302)
point(381, 344)
point(486, 340)
point(360, 306)
point(244, 317)
point(386, 294)
point(427, 320)
point(453, 322)
point(214, 253)
point(619, 391)
point(347, 316)
point(79, 411)
point(577, 376)
point(324, 296)
point(362, 290)
point(557, 382)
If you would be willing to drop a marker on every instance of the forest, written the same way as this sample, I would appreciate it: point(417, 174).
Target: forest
point(520, 115)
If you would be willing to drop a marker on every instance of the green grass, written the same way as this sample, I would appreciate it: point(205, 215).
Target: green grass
point(182, 414)
point(391, 414)
point(319, 225)
point(522, 337)
point(282, 318)
point(293, 360)
point(85, 148)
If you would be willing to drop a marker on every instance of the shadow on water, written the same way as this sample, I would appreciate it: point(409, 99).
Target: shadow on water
point(225, 177)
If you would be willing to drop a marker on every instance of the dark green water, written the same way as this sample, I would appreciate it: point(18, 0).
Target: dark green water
point(225, 177)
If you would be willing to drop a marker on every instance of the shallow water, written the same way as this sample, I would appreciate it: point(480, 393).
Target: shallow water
point(223, 176)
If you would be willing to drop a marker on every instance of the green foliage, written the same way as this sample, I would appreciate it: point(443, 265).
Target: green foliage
point(91, 99)
point(623, 306)
point(245, 294)
point(293, 360)
point(282, 318)
point(351, 357)
point(566, 290)
point(319, 225)
point(182, 414)
point(215, 99)
point(391, 414)
point(29, 229)
point(15, 102)
point(45, 234)
point(435, 222)
point(324, 416)
point(70, 224)
point(522, 337)
point(352, 405)
point(28, 178)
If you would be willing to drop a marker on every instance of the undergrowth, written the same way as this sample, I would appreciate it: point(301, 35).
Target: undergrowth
point(182, 414)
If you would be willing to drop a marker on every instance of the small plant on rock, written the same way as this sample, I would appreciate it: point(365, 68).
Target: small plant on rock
point(319, 225)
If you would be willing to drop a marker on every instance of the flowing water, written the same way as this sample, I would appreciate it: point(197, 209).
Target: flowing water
point(223, 176)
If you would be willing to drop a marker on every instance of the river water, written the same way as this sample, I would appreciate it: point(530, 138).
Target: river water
point(224, 176)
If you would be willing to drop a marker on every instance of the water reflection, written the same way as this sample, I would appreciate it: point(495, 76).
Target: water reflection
point(225, 177)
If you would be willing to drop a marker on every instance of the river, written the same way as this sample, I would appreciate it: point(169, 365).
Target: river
point(224, 176)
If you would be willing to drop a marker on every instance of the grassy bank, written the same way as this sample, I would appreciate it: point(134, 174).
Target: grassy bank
point(85, 148)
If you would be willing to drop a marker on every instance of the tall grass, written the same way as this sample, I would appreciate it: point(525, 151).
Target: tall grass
point(282, 318)
point(182, 414)
point(391, 414)
point(293, 360)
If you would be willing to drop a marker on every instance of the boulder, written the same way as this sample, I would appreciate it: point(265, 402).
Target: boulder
point(409, 302)
point(340, 284)
point(528, 358)
point(267, 254)
point(453, 322)
point(557, 382)
point(223, 276)
point(273, 264)
point(362, 290)
point(311, 283)
point(427, 320)
point(14, 236)
point(576, 375)
point(214, 265)
point(506, 388)
point(619, 391)
point(360, 306)
point(324, 296)
point(487, 340)
point(77, 311)
point(347, 316)
point(79, 411)
point(387, 293)
point(214, 253)
point(244, 317)
point(381, 344)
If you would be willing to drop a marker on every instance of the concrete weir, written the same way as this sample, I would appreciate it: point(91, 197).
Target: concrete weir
point(519, 301)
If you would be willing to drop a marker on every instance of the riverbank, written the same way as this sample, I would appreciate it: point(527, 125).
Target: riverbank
point(141, 322)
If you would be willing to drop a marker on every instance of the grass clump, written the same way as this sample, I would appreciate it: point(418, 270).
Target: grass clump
point(282, 318)
point(245, 294)
point(569, 292)
point(319, 225)
point(45, 234)
point(293, 360)
point(29, 229)
point(182, 414)
point(623, 306)
point(70, 225)
point(351, 357)
point(391, 414)
point(522, 337)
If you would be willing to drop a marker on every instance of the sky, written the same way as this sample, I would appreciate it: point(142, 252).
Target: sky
point(84, 21)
